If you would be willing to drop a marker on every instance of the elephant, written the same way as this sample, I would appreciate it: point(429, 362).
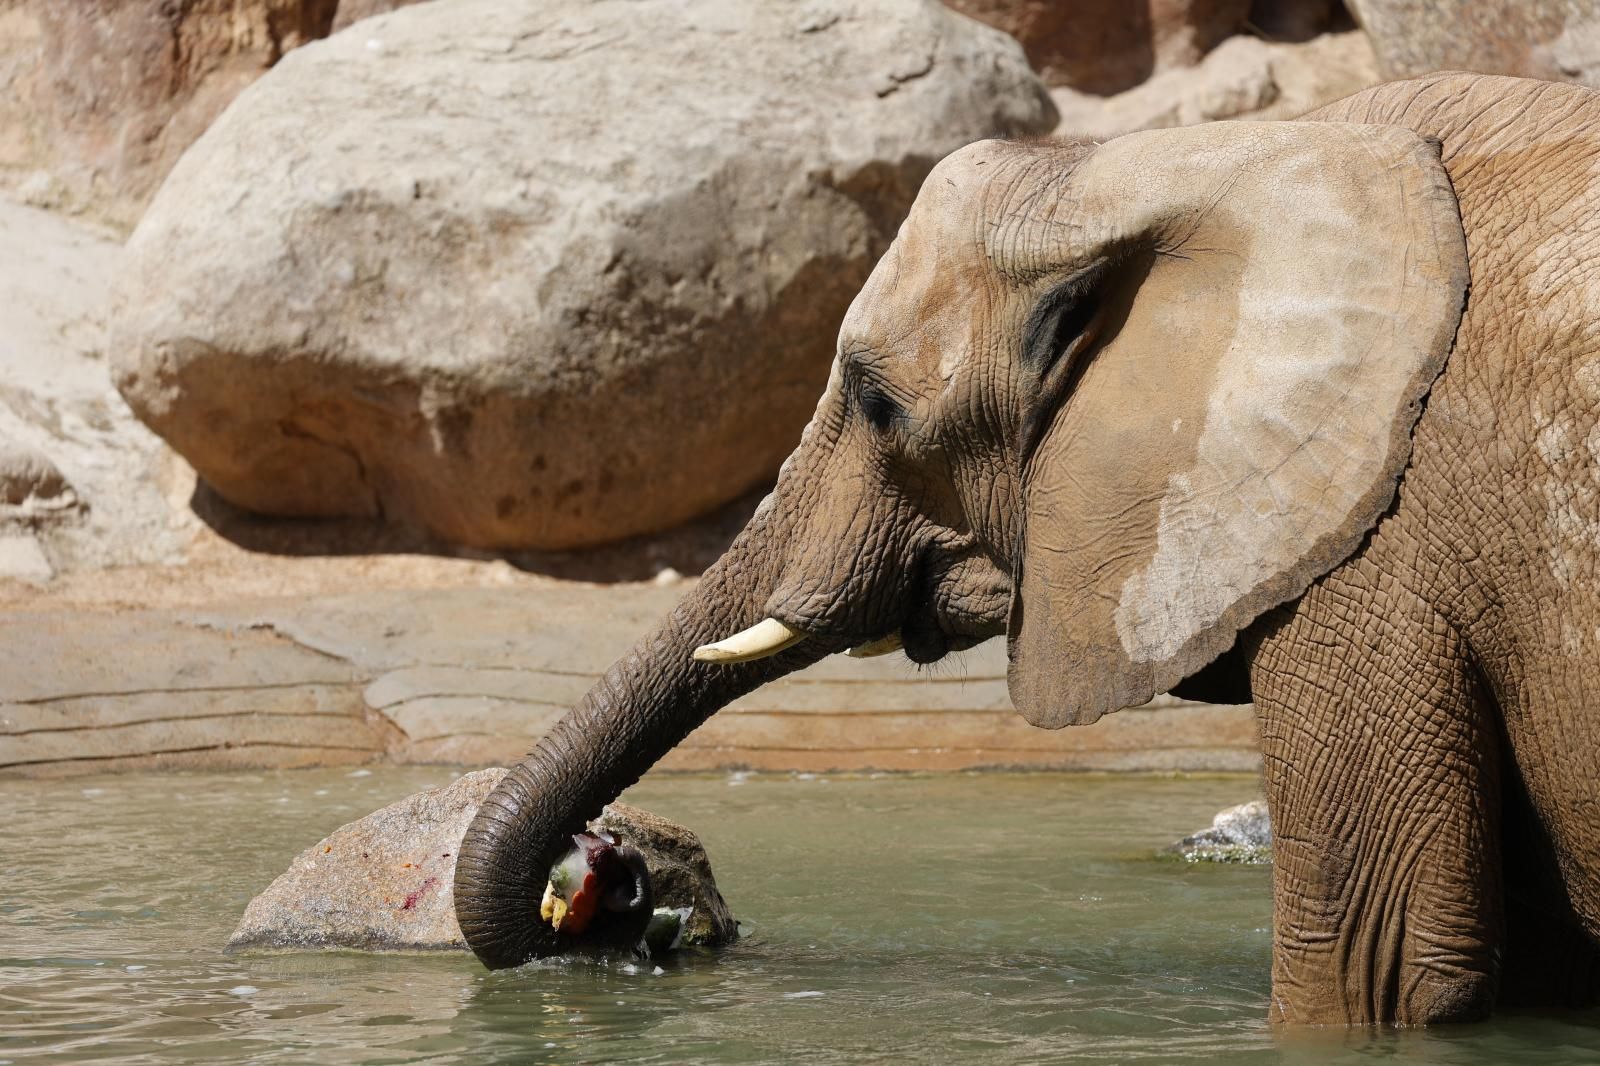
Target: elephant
point(1304, 413)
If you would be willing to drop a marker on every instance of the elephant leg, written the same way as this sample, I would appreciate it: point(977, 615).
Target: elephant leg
point(1382, 770)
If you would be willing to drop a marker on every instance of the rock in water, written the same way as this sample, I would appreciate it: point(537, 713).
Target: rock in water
point(680, 873)
point(541, 273)
point(384, 883)
point(1237, 834)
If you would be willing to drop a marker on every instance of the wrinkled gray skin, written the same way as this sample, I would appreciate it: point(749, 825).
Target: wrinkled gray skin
point(1169, 412)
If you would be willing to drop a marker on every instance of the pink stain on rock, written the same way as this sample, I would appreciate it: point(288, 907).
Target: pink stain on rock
point(412, 897)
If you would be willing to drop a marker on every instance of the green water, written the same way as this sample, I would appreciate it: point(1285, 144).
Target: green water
point(975, 918)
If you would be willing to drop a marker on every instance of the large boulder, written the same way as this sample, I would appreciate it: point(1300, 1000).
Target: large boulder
point(385, 882)
point(1557, 40)
point(541, 273)
point(356, 10)
point(1107, 46)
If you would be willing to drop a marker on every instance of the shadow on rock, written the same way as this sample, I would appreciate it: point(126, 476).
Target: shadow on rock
point(686, 550)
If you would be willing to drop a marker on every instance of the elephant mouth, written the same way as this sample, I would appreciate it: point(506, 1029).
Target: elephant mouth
point(924, 642)
point(932, 628)
point(597, 889)
point(947, 608)
point(946, 614)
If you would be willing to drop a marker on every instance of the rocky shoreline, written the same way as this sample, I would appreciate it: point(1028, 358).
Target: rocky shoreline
point(475, 675)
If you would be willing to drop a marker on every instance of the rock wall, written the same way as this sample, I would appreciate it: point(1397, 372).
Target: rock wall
point(476, 676)
point(99, 98)
point(81, 483)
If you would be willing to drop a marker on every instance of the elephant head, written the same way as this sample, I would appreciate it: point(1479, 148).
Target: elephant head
point(1114, 401)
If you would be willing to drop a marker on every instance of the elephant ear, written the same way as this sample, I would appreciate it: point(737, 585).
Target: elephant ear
point(1288, 292)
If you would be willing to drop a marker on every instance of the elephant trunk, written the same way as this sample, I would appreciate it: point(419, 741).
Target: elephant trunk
point(646, 703)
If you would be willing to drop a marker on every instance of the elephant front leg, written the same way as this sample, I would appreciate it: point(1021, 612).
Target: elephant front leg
point(1381, 767)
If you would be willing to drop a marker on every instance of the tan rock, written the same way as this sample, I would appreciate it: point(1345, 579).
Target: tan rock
point(381, 883)
point(1107, 46)
point(79, 475)
point(22, 558)
point(355, 10)
point(1558, 40)
point(98, 98)
point(29, 478)
point(534, 274)
point(385, 882)
point(680, 873)
point(1244, 78)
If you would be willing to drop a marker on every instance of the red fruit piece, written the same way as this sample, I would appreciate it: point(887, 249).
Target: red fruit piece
point(585, 901)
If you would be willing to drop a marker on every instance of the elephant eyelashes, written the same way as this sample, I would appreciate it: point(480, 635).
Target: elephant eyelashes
point(879, 410)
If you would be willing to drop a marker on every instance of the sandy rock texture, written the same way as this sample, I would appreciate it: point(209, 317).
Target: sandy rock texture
point(435, 270)
point(98, 98)
point(81, 479)
point(96, 510)
point(1557, 40)
point(380, 883)
point(384, 883)
point(1243, 78)
point(1107, 46)
point(351, 11)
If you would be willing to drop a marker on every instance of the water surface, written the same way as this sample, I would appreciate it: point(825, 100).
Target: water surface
point(1017, 918)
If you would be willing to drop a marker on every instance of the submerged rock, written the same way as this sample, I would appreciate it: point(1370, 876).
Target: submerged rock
point(680, 874)
point(384, 883)
point(1237, 834)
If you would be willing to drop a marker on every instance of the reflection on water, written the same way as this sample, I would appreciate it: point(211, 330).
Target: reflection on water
point(1005, 918)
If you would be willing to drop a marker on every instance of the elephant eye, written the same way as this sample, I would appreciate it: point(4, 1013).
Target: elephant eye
point(879, 409)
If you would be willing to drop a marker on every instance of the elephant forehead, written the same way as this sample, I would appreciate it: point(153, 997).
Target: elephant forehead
point(945, 277)
point(920, 304)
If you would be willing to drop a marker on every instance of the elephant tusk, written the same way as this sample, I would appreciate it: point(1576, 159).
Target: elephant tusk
point(767, 637)
point(873, 648)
